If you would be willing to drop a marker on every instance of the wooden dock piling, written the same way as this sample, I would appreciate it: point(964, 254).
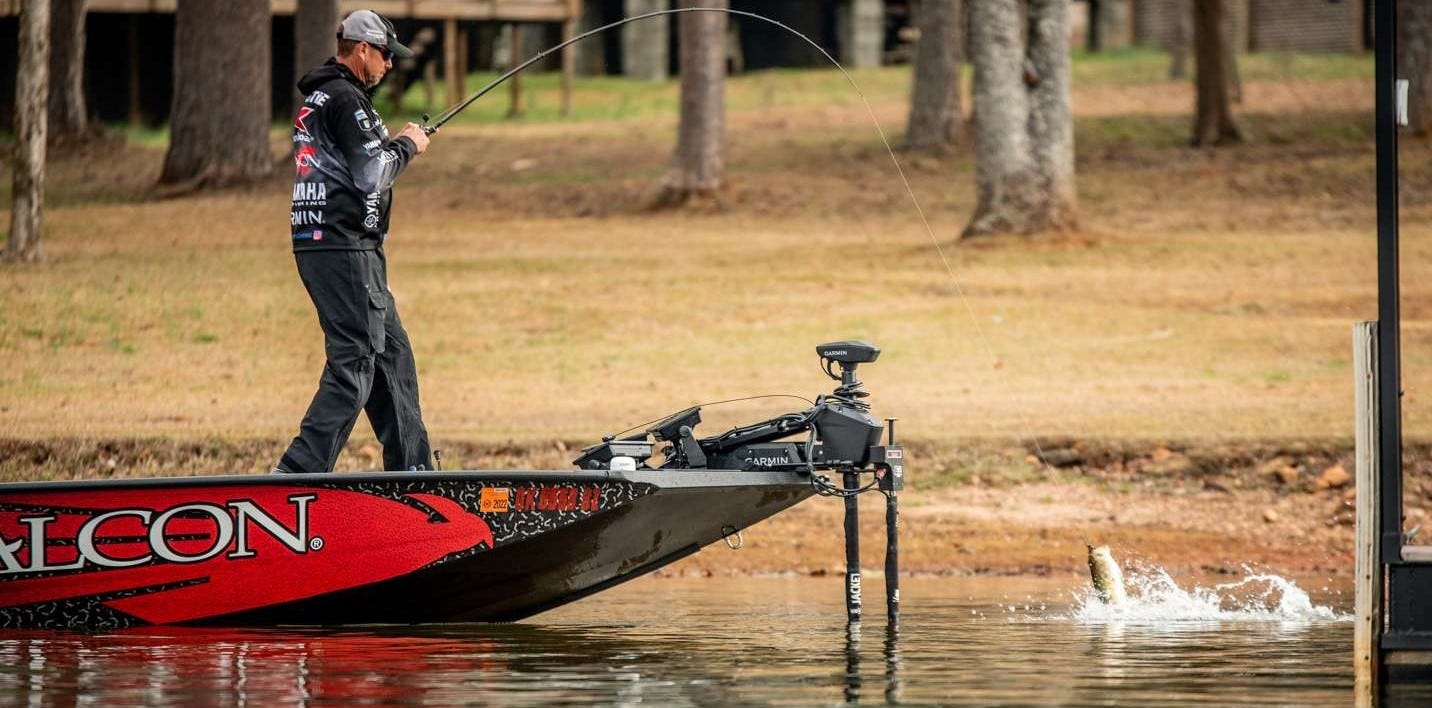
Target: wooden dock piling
point(1368, 601)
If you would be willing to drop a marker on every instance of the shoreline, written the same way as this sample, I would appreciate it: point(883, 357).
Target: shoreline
point(970, 509)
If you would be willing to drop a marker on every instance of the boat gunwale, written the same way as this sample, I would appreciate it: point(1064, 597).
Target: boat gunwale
point(672, 478)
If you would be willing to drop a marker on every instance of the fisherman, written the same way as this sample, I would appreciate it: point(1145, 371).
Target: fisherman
point(342, 198)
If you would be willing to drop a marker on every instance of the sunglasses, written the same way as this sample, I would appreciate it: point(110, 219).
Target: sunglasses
point(384, 52)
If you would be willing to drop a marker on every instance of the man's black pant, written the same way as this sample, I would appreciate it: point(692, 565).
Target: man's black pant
point(370, 365)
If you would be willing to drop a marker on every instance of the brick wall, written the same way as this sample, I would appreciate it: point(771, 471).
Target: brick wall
point(1306, 25)
point(1264, 25)
point(1155, 21)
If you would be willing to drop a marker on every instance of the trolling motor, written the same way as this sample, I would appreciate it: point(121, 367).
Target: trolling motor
point(842, 437)
point(841, 433)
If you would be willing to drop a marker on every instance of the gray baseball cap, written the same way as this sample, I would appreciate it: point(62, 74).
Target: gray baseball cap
point(368, 26)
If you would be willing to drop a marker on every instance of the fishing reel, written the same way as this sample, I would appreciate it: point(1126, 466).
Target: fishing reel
point(841, 434)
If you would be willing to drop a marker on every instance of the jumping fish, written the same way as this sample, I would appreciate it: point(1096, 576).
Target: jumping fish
point(1108, 579)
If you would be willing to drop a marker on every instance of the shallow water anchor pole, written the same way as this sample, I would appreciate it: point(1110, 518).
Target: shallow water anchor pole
point(892, 558)
point(1368, 580)
point(852, 548)
point(891, 482)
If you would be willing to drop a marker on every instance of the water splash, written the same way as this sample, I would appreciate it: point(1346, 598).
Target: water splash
point(1154, 596)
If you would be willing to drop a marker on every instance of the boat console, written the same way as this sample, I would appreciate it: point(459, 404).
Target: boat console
point(840, 434)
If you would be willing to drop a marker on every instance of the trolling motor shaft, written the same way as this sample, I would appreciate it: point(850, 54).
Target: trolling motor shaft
point(842, 439)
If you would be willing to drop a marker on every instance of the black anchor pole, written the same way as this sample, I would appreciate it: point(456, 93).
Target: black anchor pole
point(852, 547)
point(892, 540)
point(892, 558)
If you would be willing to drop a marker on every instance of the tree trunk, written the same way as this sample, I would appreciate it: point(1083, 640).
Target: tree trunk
point(861, 28)
point(591, 53)
point(1113, 24)
point(1004, 170)
point(1233, 39)
point(1051, 122)
point(935, 97)
point(1180, 40)
point(69, 117)
point(644, 49)
point(1094, 37)
point(31, 107)
point(407, 72)
point(1414, 62)
point(218, 132)
point(315, 31)
point(699, 161)
point(1213, 122)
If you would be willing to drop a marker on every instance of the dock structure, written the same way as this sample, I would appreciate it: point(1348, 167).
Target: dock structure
point(487, 10)
point(452, 14)
point(1393, 633)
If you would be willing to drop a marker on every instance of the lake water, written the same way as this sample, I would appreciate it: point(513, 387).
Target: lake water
point(675, 642)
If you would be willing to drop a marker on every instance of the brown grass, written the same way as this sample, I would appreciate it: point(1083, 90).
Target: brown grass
point(1210, 296)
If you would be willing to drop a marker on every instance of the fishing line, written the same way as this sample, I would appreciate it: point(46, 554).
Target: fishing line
point(715, 403)
point(980, 335)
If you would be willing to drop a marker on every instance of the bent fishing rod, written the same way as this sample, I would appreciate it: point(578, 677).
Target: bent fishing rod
point(850, 480)
point(448, 115)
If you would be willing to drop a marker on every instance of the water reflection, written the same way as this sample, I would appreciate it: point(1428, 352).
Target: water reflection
point(852, 662)
point(506, 664)
point(892, 663)
point(710, 642)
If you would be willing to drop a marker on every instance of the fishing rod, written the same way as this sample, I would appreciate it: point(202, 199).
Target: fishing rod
point(889, 149)
point(889, 482)
point(851, 486)
point(448, 115)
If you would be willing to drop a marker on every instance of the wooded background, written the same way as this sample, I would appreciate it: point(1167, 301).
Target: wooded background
point(223, 96)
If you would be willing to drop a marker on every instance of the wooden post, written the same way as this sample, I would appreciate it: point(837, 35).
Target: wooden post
point(136, 110)
point(430, 84)
point(515, 57)
point(450, 61)
point(1367, 631)
point(569, 55)
point(32, 86)
point(463, 35)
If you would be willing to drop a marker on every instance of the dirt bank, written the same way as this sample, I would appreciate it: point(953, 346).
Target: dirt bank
point(972, 508)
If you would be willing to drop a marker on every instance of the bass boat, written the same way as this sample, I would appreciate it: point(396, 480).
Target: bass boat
point(421, 547)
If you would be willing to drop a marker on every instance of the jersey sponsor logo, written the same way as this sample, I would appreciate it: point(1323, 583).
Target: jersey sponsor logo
point(306, 217)
point(387, 157)
point(298, 123)
point(364, 122)
point(185, 533)
point(317, 98)
point(161, 556)
point(305, 158)
point(315, 193)
point(370, 209)
point(378, 124)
